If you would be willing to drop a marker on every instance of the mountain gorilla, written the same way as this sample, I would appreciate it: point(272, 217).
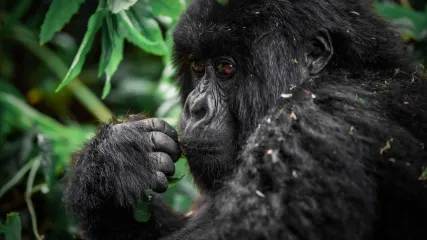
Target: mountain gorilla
point(302, 119)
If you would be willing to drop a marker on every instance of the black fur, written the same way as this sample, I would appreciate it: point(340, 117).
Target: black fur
point(340, 159)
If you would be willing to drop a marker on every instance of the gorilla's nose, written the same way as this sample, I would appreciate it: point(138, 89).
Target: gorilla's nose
point(197, 111)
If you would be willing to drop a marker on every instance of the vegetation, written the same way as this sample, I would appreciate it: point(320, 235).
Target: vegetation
point(68, 65)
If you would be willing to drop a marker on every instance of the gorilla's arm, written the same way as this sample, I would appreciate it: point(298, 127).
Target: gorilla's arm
point(109, 175)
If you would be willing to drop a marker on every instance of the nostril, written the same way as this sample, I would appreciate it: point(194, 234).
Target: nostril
point(199, 113)
point(196, 107)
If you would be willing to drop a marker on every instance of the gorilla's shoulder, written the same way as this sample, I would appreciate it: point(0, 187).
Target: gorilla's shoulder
point(326, 150)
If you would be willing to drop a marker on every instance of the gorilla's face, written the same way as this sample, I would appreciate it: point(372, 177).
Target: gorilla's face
point(208, 128)
point(233, 68)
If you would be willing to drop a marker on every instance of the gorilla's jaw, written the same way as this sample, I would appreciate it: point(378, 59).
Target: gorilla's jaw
point(209, 162)
point(210, 146)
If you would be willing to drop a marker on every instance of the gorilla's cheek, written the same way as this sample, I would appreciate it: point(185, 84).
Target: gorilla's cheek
point(208, 135)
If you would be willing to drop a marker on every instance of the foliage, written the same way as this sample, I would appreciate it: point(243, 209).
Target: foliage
point(66, 66)
point(12, 227)
point(411, 19)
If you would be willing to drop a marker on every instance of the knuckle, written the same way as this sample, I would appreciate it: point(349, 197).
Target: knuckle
point(152, 137)
point(155, 159)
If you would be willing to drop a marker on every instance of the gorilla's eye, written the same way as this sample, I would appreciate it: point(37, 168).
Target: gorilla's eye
point(198, 67)
point(225, 69)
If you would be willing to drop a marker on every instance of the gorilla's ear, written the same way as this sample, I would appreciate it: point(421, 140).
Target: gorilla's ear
point(318, 52)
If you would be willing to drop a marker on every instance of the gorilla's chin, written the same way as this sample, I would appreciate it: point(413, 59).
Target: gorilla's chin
point(209, 161)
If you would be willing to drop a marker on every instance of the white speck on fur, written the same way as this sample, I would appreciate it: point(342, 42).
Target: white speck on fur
point(286, 95)
point(294, 174)
point(260, 193)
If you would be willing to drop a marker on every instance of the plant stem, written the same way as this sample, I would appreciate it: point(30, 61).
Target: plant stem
point(18, 176)
point(83, 94)
point(38, 188)
point(56, 65)
point(30, 182)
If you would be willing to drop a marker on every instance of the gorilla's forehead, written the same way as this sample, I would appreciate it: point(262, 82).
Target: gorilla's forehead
point(209, 28)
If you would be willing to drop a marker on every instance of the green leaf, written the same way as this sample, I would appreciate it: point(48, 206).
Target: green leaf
point(106, 50)
point(116, 57)
point(59, 13)
point(142, 211)
point(107, 87)
point(116, 6)
point(146, 25)
point(12, 228)
point(95, 23)
point(173, 180)
point(169, 8)
point(137, 37)
point(112, 52)
point(112, 47)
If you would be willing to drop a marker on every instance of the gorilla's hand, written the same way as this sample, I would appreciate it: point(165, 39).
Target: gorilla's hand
point(154, 147)
point(123, 160)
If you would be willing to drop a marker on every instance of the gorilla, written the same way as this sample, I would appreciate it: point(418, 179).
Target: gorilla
point(302, 119)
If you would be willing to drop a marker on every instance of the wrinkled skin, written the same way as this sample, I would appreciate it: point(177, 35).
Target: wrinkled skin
point(287, 109)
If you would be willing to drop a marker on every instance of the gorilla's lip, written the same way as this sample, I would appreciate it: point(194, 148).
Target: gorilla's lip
point(201, 146)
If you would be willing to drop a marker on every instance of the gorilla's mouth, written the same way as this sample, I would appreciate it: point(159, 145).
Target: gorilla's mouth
point(193, 147)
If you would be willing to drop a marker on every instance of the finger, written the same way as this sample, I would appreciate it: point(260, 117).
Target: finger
point(163, 143)
point(162, 162)
point(161, 182)
point(157, 125)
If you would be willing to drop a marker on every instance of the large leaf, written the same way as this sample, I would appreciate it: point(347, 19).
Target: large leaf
point(106, 50)
point(169, 8)
point(59, 13)
point(12, 228)
point(112, 52)
point(115, 58)
point(136, 36)
point(147, 26)
point(95, 22)
point(142, 18)
point(113, 63)
point(116, 6)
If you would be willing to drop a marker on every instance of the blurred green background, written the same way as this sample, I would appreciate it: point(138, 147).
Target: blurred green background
point(68, 65)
